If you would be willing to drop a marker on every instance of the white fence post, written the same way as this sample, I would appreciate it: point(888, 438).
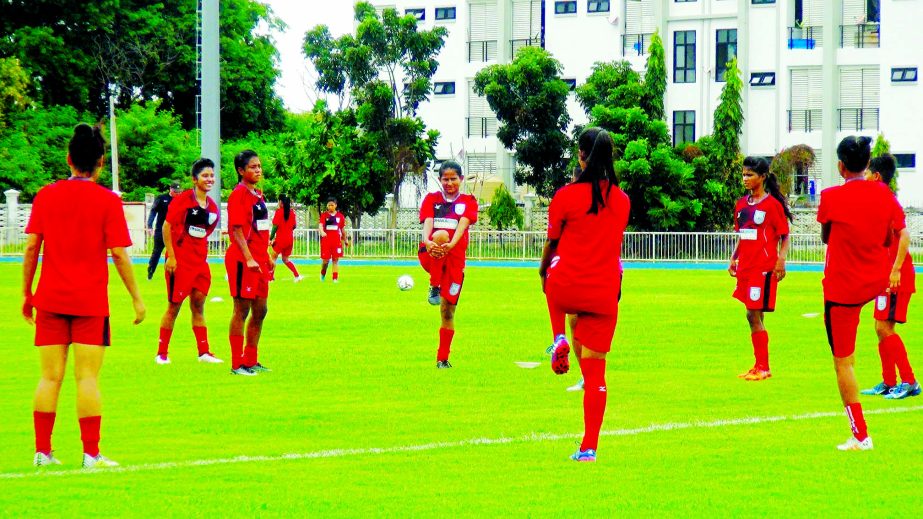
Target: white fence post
point(12, 216)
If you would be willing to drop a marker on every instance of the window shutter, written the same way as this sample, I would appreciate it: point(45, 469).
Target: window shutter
point(481, 164)
point(813, 13)
point(633, 17)
point(871, 87)
point(853, 11)
point(527, 19)
point(483, 21)
point(850, 87)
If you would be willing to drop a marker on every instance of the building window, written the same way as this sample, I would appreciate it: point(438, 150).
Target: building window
point(762, 79)
point(906, 160)
point(903, 75)
point(419, 14)
point(725, 50)
point(683, 126)
point(684, 57)
point(565, 7)
point(445, 13)
point(572, 83)
point(757, 2)
point(597, 7)
point(444, 88)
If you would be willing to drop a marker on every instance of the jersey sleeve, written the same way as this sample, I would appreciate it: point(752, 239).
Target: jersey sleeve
point(736, 219)
point(36, 223)
point(426, 210)
point(342, 222)
point(781, 223)
point(556, 216)
point(898, 218)
point(238, 213)
point(213, 208)
point(471, 210)
point(277, 217)
point(116, 228)
point(823, 210)
point(176, 213)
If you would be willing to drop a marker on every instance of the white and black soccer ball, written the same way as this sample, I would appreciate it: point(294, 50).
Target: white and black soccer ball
point(405, 282)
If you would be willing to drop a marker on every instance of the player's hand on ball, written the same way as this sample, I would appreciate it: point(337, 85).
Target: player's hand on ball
point(140, 311)
point(170, 265)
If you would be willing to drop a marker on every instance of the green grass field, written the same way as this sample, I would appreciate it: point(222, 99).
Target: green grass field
point(355, 420)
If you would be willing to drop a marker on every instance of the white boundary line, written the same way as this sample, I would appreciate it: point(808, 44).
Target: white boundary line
point(529, 438)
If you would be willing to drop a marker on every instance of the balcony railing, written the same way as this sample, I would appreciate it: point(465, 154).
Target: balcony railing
point(860, 36)
point(804, 120)
point(636, 44)
point(482, 51)
point(519, 43)
point(805, 37)
point(482, 126)
point(858, 118)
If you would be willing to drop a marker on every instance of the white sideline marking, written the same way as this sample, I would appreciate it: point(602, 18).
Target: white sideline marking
point(532, 437)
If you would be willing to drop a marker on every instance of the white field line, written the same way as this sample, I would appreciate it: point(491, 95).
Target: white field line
point(529, 438)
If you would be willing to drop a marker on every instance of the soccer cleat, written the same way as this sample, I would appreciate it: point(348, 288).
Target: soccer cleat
point(758, 374)
point(162, 359)
point(852, 444)
point(560, 363)
point(577, 387)
point(903, 390)
point(443, 364)
point(880, 389)
point(299, 279)
point(97, 462)
point(748, 373)
point(208, 358)
point(259, 368)
point(243, 370)
point(588, 455)
point(433, 296)
point(44, 460)
point(322, 278)
point(558, 338)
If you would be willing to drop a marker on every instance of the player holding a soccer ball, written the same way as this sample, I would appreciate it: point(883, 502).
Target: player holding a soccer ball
point(445, 217)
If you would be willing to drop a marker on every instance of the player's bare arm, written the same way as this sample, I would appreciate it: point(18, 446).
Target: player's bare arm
point(463, 224)
point(29, 265)
point(894, 280)
point(123, 267)
point(237, 235)
point(779, 269)
point(170, 264)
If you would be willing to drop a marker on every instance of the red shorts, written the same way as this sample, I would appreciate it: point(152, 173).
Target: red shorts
point(892, 306)
point(185, 279)
point(842, 322)
point(52, 329)
point(593, 329)
point(283, 248)
point(757, 291)
point(246, 283)
point(330, 249)
point(447, 272)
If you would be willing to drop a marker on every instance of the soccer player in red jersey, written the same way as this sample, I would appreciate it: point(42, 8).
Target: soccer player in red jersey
point(858, 220)
point(247, 262)
point(758, 261)
point(891, 306)
point(191, 218)
point(282, 237)
point(73, 224)
point(580, 272)
point(332, 227)
point(452, 211)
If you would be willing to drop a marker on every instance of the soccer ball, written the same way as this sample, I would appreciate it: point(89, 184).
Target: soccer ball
point(405, 282)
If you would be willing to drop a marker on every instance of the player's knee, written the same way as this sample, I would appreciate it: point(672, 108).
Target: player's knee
point(755, 318)
point(884, 329)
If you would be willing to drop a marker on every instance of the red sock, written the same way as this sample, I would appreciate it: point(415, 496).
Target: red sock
point(250, 356)
point(89, 434)
point(594, 400)
point(291, 266)
point(237, 350)
point(323, 270)
point(888, 373)
point(336, 275)
point(445, 343)
point(557, 319)
point(201, 339)
point(164, 343)
point(898, 354)
point(857, 421)
point(44, 424)
point(761, 349)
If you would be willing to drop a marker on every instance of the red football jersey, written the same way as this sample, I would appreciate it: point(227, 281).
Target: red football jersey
point(446, 216)
point(285, 229)
point(759, 226)
point(863, 217)
point(333, 225)
point(79, 222)
point(190, 226)
point(247, 209)
point(588, 257)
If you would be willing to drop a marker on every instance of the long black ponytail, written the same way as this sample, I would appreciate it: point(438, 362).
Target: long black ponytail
point(760, 166)
point(596, 145)
point(286, 205)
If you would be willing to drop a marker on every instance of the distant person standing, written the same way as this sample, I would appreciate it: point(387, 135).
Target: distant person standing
point(155, 221)
point(282, 237)
point(332, 227)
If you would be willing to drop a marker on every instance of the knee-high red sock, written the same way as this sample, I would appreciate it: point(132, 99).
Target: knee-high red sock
point(44, 424)
point(164, 344)
point(760, 342)
point(237, 350)
point(323, 270)
point(888, 373)
point(291, 266)
point(857, 421)
point(89, 434)
point(250, 355)
point(445, 343)
point(594, 400)
point(898, 354)
point(336, 276)
point(201, 339)
point(557, 319)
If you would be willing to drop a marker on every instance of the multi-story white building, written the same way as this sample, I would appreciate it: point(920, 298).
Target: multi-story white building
point(814, 70)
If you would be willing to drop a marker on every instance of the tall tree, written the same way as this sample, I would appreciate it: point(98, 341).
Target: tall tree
point(655, 80)
point(530, 100)
point(14, 86)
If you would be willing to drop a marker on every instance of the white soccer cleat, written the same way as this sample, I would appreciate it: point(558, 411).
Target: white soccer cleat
point(208, 358)
point(44, 460)
point(852, 444)
point(577, 387)
point(97, 462)
point(298, 279)
point(162, 359)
